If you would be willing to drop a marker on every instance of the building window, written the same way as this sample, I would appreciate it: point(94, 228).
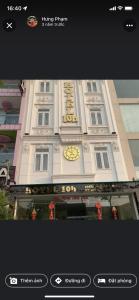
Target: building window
point(91, 87)
point(45, 87)
point(43, 117)
point(6, 151)
point(41, 160)
point(127, 88)
point(134, 147)
point(130, 115)
point(102, 159)
point(96, 117)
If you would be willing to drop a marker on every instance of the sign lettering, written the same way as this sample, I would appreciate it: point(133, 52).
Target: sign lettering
point(70, 116)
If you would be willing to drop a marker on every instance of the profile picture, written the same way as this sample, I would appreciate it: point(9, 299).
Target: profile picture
point(32, 21)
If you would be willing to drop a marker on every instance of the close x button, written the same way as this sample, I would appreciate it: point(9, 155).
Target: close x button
point(9, 25)
point(64, 280)
point(115, 280)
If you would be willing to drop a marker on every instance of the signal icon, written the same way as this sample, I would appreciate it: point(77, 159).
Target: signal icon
point(114, 8)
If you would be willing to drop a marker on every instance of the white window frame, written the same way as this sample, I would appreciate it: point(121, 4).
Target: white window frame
point(41, 153)
point(96, 111)
point(101, 152)
point(45, 87)
point(92, 89)
point(43, 111)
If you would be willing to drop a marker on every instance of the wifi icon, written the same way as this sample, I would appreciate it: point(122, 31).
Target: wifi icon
point(120, 7)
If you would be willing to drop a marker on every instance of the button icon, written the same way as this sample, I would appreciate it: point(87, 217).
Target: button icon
point(101, 280)
point(115, 280)
point(9, 25)
point(13, 280)
point(58, 280)
point(130, 25)
point(70, 280)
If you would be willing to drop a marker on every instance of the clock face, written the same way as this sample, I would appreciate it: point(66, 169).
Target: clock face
point(72, 153)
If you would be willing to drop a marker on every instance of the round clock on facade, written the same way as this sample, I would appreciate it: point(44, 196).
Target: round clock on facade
point(71, 153)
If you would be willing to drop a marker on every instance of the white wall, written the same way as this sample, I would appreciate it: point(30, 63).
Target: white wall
point(60, 169)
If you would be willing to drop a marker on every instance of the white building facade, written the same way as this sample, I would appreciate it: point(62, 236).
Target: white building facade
point(68, 134)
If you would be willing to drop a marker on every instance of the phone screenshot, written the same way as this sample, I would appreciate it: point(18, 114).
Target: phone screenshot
point(69, 150)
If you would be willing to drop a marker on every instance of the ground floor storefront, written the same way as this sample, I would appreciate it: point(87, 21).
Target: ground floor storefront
point(97, 201)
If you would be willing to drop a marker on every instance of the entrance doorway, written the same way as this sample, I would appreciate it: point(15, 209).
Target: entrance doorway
point(70, 207)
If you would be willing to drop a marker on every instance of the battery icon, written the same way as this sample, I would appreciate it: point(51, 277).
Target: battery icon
point(128, 8)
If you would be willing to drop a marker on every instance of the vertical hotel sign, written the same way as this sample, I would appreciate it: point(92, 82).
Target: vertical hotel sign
point(70, 116)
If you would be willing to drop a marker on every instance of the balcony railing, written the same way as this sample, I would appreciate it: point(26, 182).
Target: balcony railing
point(9, 119)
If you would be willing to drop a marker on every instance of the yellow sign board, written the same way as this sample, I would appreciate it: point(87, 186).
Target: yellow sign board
point(70, 116)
